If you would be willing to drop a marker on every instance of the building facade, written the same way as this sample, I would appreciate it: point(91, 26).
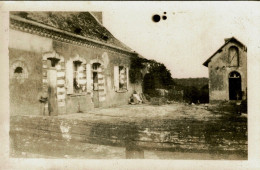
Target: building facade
point(71, 58)
point(228, 72)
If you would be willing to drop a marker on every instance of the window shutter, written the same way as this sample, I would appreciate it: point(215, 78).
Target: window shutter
point(88, 73)
point(116, 78)
point(127, 78)
point(69, 77)
point(81, 75)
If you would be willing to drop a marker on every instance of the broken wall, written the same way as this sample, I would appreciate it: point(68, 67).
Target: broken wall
point(29, 49)
point(25, 51)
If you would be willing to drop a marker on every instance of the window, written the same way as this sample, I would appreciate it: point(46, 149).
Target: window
point(121, 78)
point(233, 56)
point(95, 69)
point(95, 66)
point(52, 62)
point(18, 70)
point(76, 80)
point(77, 70)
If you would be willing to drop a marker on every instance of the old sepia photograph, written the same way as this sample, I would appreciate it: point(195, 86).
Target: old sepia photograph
point(164, 82)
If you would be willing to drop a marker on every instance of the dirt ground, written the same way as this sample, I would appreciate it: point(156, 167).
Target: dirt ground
point(135, 113)
point(175, 131)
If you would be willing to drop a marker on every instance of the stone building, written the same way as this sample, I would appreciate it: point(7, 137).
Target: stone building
point(69, 56)
point(228, 72)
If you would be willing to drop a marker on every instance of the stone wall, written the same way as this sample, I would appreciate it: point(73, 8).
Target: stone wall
point(24, 87)
point(25, 51)
point(28, 51)
point(219, 71)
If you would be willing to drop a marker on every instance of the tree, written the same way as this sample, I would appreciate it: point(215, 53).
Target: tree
point(158, 76)
point(191, 94)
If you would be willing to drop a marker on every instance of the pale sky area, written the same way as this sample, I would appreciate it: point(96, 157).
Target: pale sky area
point(189, 36)
point(192, 32)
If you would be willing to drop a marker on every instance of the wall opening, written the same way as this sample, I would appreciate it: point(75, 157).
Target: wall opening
point(235, 92)
point(122, 78)
point(95, 70)
point(52, 62)
point(233, 56)
point(95, 66)
point(18, 70)
point(76, 76)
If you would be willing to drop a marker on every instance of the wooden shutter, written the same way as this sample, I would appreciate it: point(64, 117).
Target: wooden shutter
point(88, 75)
point(127, 78)
point(116, 78)
point(69, 77)
point(81, 74)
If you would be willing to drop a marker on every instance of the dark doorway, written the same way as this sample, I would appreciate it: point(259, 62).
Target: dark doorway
point(235, 92)
point(95, 70)
point(95, 89)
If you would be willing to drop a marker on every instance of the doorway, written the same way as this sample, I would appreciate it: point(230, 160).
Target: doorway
point(235, 92)
point(95, 69)
point(52, 86)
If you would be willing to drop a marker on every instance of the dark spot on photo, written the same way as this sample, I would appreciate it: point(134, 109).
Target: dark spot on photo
point(104, 37)
point(77, 30)
point(156, 18)
point(164, 13)
point(164, 17)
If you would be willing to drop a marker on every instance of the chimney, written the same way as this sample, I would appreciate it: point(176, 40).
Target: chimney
point(98, 16)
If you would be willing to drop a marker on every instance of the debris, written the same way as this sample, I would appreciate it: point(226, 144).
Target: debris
point(135, 98)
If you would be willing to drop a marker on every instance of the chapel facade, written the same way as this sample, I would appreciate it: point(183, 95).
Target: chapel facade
point(228, 72)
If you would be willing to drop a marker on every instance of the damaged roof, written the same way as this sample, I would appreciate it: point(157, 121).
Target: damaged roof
point(79, 23)
point(227, 40)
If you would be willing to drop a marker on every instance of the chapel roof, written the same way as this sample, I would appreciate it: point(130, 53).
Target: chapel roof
point(227, 40)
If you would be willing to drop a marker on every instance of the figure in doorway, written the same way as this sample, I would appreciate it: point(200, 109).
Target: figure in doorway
point(43, 99)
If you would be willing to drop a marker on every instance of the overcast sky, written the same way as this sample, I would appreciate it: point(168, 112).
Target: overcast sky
point(192, 32)
point(189, 36)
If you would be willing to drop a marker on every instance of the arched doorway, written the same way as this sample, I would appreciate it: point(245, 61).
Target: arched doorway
point(235, 92)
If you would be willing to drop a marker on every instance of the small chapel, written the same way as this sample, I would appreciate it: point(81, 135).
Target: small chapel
point(228, 72)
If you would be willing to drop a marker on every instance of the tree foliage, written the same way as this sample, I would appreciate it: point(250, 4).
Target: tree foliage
point(158, 76)
point(137, 66)
point(194, 95)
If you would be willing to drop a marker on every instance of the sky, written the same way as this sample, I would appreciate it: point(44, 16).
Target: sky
point(191, 33)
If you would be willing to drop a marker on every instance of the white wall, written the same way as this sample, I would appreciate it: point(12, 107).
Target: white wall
point(29, 42)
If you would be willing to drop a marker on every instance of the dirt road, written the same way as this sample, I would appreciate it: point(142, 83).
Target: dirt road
point(175, 131)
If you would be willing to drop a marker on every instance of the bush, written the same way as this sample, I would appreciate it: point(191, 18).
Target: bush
point(176, 95)
point(191, 94)
point(195, 95)
point(204, 94)
point(152, 92)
